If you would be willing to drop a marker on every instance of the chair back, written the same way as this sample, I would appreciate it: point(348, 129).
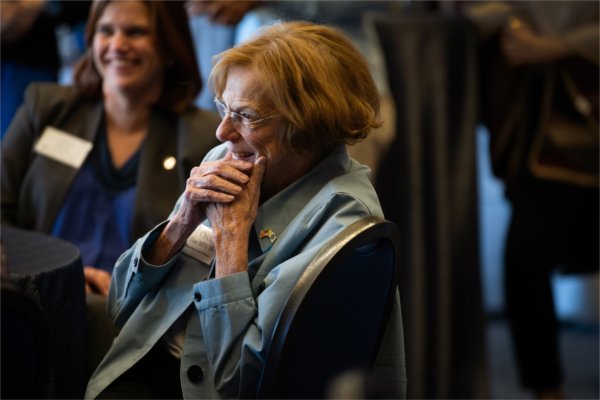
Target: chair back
point(335, 316)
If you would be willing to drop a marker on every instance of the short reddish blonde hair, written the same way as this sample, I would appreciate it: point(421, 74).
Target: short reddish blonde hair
point(314, 77)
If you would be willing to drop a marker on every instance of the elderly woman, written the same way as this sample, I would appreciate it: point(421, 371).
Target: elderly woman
point(198, 296)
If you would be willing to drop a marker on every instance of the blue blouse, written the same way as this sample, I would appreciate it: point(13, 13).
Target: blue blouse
point(97, 214)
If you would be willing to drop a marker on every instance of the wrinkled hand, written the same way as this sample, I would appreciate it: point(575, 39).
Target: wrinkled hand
point(231, 224)
point(96, 280)
point(218, 182)
point(521, 45)
point(221, 11)
point(213, 182)
point(239, 214)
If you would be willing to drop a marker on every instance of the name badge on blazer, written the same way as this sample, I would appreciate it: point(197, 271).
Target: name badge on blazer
point(200, 245)
point(63, 147)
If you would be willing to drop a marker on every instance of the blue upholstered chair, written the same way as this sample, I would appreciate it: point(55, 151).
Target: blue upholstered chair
point(335, 317)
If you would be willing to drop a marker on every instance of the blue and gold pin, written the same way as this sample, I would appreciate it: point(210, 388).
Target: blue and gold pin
point(267, 233)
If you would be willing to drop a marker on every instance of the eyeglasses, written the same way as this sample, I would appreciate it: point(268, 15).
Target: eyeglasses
point(242, 122)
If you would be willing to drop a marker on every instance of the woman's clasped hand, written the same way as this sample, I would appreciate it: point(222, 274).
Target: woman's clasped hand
point(227, 193)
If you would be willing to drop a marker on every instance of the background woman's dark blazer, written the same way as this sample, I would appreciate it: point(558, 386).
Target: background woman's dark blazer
point(34, 186)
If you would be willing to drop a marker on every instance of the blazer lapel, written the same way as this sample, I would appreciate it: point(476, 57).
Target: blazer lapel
point(157, 187)
point(59, 177)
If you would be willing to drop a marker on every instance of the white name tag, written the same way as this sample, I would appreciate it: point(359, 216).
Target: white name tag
point(63, 147)
point(200, 245)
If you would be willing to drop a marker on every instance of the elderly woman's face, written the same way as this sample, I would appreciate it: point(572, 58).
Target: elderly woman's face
point(125, 52)
point(243, 95)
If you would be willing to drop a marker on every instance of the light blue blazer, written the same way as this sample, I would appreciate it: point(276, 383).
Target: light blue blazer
point(232, 320)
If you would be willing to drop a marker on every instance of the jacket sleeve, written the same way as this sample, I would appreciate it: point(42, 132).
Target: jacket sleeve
point(17, 153)
point(133, 277)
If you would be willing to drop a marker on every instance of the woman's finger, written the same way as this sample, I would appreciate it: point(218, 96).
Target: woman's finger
point(214, 182)
point(257, 174)
point(236, 171)
point(207, 196)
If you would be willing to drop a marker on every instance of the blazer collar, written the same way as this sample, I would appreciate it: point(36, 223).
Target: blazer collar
point(276, 213)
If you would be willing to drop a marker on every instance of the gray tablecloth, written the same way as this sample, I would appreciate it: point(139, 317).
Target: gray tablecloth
point(50, 271)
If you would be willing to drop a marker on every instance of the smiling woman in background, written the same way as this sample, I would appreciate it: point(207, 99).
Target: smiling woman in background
point(198, 296)
point(100, 163)
point(132, 108)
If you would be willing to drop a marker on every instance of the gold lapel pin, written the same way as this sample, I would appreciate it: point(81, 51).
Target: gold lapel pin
point(267, 233)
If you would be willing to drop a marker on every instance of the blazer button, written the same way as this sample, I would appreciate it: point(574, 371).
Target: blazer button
point(195, 374)
point(197, 296)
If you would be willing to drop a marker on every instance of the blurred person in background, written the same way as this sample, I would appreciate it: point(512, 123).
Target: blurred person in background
point(101, 162)
point(30, 49)
point(540, 87)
